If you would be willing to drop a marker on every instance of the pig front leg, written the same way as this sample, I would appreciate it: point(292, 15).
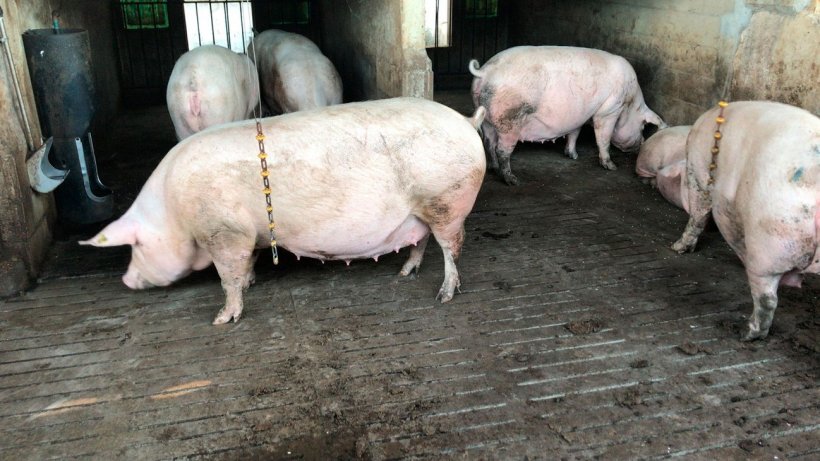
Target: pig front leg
point(694, 227)
point(234, 257)
point(700, 207)
point(416, 255)
point(569, 149)
point(764, 298)
point(604, 127)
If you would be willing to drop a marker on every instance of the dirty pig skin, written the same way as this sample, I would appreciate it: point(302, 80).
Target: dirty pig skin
point(765, 198)
point(662, 162)
point(211, 85)
point(348, 181)
point(540, 93)
point(293, 72)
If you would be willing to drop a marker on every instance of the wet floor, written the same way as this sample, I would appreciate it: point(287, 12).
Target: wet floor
point(577, 334)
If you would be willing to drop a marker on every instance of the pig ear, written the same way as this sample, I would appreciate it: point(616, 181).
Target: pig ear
point(120, 232)
point(654, 119)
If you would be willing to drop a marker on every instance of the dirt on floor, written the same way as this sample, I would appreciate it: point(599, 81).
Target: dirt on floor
point(577, 334)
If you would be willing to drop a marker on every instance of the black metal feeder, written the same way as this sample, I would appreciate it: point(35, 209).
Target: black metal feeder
point(59, 62)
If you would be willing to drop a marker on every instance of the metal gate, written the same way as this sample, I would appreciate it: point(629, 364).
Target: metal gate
point(477, 29)
point(152, 34)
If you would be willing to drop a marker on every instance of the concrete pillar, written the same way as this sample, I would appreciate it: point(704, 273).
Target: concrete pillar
point(25, 216)
point(378, 47)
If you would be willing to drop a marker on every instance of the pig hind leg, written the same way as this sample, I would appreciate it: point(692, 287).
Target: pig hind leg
point(445, 215)
point(604, 127)
point(490, 137)
point(503, 151)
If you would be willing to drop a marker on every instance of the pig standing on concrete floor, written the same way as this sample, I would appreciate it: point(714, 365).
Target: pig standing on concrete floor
point(294, 73)
point(662, 161)
point(765, 198)
point(349, 181)
point(540, 93)
point(211, 85)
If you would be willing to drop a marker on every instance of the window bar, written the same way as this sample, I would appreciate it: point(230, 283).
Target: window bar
point(225, 7)
point(142, 47)
point(242, 26)
point(158, 54)
point(126, 46)
point(485, 25)
point(211, 16)
point(198, 29)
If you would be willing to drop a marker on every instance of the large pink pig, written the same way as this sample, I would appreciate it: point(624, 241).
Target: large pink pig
point(211, 85)
point(349, 181)
point(294, 73)
point(765, 198)
point(540, 93)
point(662, 160)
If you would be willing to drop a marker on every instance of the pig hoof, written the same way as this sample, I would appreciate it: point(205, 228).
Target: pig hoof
point(444, 296)
point(682, 247)
point(411, 271)
point(226, 316)
point(751, 335)
point(510, 179)
point(609, 165)
point(572, 155)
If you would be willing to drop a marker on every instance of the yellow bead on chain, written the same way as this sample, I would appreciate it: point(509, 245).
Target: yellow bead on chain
point(718, 136)
point(263, 158)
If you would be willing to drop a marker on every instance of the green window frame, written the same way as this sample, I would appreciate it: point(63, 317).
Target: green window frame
point(481, 9)
point(144, 14)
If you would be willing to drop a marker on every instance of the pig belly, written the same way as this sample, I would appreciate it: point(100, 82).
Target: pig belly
point(537, 131)
point(338, 242)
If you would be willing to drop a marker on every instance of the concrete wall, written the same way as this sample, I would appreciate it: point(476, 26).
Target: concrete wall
point(377, 47)
point(27, 218)
point(690, 54)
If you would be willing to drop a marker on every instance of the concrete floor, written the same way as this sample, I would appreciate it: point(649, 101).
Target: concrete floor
point(577, 334)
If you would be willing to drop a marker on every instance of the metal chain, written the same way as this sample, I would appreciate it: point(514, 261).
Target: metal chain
point(718, 135)
point(263, 159)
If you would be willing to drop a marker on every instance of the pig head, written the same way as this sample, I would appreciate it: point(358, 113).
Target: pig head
point(762, 188)
point(662, 162)
point(541, 93)
point(210, 85)
point(348, 181)
point(293, 72)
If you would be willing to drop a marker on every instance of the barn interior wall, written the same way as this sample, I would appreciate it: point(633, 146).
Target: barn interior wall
point(690, 54)
point(27, 218)
point(378, 47)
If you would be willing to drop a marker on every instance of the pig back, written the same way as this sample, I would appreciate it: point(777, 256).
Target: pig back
point(764, 146)
point(567, 85)
point(341, 168)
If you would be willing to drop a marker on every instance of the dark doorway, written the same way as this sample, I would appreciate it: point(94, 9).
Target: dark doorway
point(478, 30)
point(152, 34)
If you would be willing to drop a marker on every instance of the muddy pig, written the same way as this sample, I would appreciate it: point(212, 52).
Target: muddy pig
point(211, 85)
point(540, 93)
point(294, 73)
point(662, 162)
point(765, 198)
point(348, 181)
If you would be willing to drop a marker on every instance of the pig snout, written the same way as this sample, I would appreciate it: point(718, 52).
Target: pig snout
point(629, 145)
point(137, 280)
point(132, 280)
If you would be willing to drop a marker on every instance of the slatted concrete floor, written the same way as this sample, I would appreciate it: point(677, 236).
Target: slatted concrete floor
point(577, 334)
